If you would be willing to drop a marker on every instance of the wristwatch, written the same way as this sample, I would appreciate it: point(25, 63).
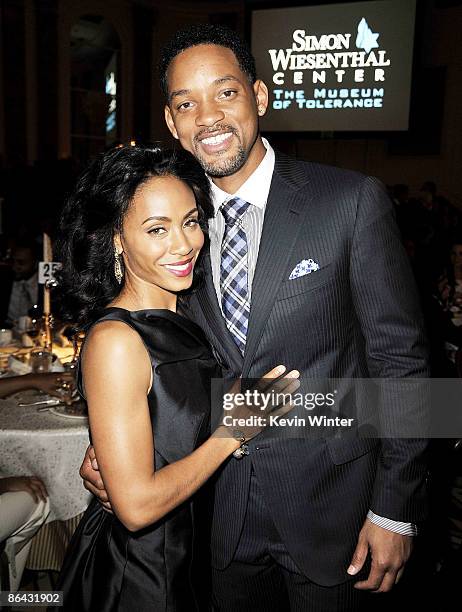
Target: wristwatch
point(243, 450)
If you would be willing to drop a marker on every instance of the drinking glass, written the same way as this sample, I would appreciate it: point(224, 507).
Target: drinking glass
point(40, 361)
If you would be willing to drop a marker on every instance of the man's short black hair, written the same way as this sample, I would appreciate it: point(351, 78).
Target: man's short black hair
point(206, 34)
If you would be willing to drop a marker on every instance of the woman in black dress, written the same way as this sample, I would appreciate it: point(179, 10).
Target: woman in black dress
point(131, 237)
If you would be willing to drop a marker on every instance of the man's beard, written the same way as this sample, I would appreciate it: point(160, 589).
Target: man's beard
point(224, 167)
point(221, 167)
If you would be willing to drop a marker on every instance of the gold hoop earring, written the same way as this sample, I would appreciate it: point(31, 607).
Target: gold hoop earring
point(117, 267)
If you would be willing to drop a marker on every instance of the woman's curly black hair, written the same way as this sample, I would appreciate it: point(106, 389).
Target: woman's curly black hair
point(94, 213)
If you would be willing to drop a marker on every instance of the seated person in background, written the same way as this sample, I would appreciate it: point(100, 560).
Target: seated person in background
point(443, 314)
point(450, 285)
point(6, 281)
point(24, 290)
point(24, 507)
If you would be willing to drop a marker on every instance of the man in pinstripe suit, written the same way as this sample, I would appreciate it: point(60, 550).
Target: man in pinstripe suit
point(296, 520)
point(284, 512)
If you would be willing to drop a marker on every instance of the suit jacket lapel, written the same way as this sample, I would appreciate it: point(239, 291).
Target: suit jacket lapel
point(222, 339)
point(280, 228)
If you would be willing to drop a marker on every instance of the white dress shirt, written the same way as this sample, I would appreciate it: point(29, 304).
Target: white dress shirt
point(255, 191)
point(24, 294)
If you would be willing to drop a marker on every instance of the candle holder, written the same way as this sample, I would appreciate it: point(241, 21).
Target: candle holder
point(47, 318)
point(77, 341)
point(46, 332)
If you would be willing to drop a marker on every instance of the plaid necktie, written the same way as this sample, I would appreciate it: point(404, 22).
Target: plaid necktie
point(233, 271)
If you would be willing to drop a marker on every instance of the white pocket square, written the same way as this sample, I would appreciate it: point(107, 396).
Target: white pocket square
point(306, 266)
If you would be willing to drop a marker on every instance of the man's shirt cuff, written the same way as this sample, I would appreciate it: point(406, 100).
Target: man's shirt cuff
point(407, 529)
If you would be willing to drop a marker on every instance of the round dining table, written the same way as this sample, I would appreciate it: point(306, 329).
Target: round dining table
point(46, 445)
point(38, 440)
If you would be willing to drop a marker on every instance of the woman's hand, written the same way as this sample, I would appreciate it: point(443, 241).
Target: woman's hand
point(89, 472)
point(31, 484)
point(247, 414)
point(56, 384)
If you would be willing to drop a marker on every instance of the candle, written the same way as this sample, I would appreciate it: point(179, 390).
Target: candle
point(47, 253)
point(47, 256)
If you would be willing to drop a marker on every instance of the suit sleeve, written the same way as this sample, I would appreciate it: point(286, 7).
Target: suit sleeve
point(388, 310)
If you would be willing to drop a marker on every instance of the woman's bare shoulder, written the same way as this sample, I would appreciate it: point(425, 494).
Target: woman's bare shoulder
point(115, 339)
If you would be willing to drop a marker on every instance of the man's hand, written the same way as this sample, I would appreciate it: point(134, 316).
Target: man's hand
point(389, 552)
point(92, 481)
point(30, 484)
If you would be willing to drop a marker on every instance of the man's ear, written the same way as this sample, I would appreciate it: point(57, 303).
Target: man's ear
point(261, 96)
point(169, 121)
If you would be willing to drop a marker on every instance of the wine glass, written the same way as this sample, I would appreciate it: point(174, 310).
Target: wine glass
point(33, 331)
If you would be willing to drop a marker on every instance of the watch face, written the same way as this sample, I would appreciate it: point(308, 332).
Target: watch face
point(241, 452)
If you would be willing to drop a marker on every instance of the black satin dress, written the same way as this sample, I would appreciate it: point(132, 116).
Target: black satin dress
point(164, 567)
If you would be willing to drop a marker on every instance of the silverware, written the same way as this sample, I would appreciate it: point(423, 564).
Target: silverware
point(39, 403)
point(48, 408)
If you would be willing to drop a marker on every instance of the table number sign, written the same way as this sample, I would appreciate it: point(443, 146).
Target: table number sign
point(47, 270)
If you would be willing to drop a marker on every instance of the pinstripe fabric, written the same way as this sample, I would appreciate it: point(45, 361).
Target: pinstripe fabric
point(355, 317)
point(396, 526)
point(263, 577)
point(253, 225)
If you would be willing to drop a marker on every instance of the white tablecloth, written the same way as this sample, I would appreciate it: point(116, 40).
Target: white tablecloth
point(48, 446)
